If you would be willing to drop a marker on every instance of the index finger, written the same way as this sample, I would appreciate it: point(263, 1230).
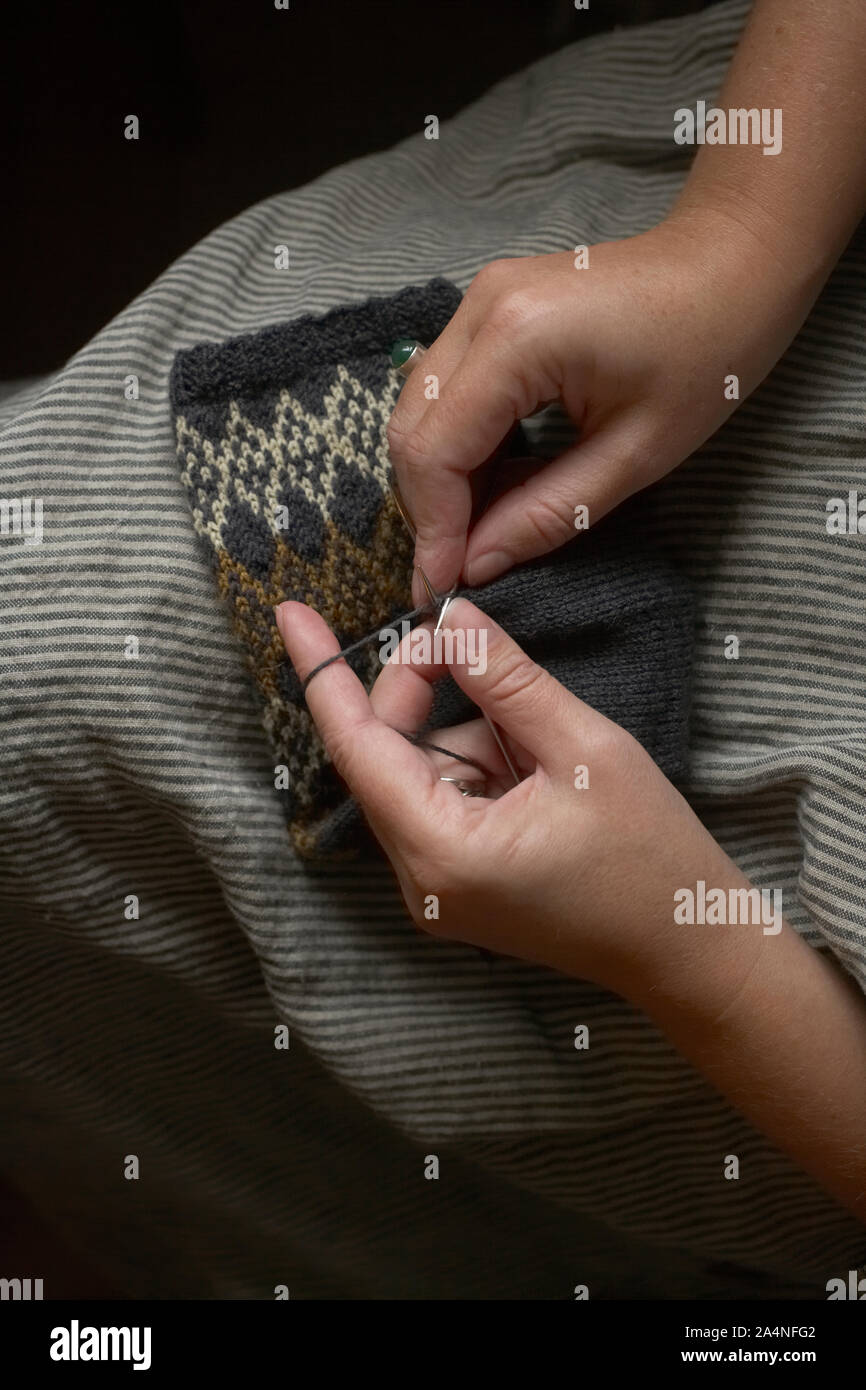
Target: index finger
point(386, 772)
point(486, 392)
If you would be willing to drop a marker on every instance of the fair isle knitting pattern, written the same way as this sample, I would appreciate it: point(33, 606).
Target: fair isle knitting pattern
point(282, 446)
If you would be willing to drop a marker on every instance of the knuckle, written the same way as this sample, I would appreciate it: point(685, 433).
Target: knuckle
point(430, 533)
point(519, 681)
point(490, 278)
point(552, 519)
point(512, 310)
point(395, 434)
point(609, 744)
point(401, 433)
point(414, 453)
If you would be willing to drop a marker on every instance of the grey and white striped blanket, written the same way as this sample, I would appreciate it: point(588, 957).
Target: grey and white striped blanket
point(144, 786)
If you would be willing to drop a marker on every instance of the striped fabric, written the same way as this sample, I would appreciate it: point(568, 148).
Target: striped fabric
point(157, 926)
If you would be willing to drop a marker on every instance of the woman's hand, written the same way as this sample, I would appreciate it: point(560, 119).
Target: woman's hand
point(582, 879)
point(639, 345)
point(575, 868)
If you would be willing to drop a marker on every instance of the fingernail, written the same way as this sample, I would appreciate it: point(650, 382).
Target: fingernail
point(279, 617)
point(458, 608)
point(487, 567)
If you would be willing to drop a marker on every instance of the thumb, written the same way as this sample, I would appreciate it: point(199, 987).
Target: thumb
point(545, 511)
point(517, 693)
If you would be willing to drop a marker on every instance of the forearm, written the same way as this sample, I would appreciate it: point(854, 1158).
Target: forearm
point(805, 60)
point(774, 1025)
point(780, 1030)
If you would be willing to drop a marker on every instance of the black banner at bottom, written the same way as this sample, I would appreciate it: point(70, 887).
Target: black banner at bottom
point(163, 1340)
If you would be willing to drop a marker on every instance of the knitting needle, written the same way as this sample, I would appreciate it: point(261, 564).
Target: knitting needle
point(405, 355)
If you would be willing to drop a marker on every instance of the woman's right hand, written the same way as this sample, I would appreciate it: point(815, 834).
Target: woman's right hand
point(640, 346)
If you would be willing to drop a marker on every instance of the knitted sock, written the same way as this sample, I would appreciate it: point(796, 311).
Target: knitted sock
point(282, 448)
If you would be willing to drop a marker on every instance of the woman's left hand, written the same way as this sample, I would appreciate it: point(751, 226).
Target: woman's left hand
point(576, 867)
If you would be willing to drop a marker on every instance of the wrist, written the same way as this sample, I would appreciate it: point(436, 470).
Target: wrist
point(750, 291)
point(712, 931)
point(741, 241)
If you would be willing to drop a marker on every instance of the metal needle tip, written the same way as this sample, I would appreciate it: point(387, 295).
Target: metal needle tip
point(443, 610)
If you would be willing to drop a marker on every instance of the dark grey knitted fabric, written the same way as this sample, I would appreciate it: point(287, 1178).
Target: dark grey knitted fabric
point(282, 445)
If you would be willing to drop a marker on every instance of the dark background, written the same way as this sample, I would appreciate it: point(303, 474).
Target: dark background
point(236, 101)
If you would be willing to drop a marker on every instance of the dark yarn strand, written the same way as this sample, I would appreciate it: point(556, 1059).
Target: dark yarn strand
point(417, 739)
point(409, 617)
point(422, 742)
